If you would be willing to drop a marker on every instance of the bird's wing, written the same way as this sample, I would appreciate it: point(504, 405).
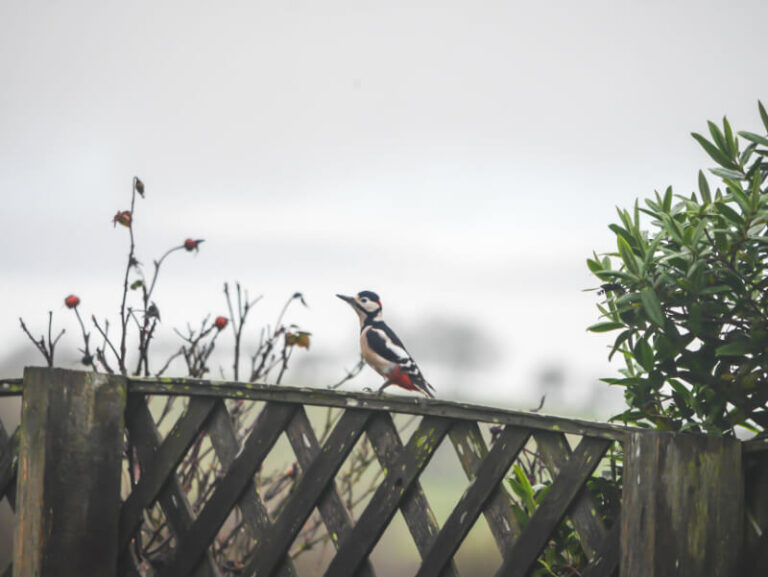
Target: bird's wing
point(384, 327)
point(388, 348)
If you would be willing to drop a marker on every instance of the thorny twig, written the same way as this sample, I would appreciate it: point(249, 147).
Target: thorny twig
point(46, 349)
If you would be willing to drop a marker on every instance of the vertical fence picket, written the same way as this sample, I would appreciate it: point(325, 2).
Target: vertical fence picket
point(69, 474)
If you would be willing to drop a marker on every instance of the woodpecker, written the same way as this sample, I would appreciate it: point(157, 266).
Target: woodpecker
point(382, 349)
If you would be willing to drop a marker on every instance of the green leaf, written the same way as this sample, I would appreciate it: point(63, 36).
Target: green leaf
point(594, 266)
point(754, 200)
point(763, 114)
point(716, 155)
point(605, 327)
point(728, 173)
point(730, 142)
point(620, 340)
point(137, 284)
point(652, 306)
point(695, 319)
point(627, 255)
point(644, 354)
point(704, 188)
point(667, 203)
point(756, 138)
point(717, 136)
point(737, 349)
point(729, 213)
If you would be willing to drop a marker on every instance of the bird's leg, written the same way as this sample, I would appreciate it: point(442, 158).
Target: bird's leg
point(384, 386)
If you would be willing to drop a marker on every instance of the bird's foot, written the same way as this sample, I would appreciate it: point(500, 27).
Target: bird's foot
point(367, 390)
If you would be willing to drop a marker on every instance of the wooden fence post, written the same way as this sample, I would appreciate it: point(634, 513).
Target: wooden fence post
point(682, 506)
point(68, 501)
point(756, 513)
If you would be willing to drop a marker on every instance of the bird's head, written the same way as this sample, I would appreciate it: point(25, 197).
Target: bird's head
point(366, 304)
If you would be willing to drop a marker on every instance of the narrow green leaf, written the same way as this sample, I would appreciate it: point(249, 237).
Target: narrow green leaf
point(763, 114)
point(747, 154)
point(652, 307)
point(594, 266)
point(728, 173)
point(754, 199)
point(756, 138)
point(605, 327)
point(736, 349)
point(729, 213)
point(625, 251)
point(716, 155)
point(644, 354)
point(717, 136)
point(667, 204)
point(620, 340)
point(730, 142)
point(706, 195)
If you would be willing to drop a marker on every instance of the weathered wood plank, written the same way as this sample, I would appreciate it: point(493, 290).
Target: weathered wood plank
point(223, 436)
point(145, 439)
point(489, 474)
point(394, 403)
point(163, 465)
point(414, 507)
point(268, 427)
point(756, 513)
point(553, 507)
point(386, 499)
point(314, 482)
point(335, 517)
point(682, 506)
point(69, 473)
point(555, 452)
point(605, 562)
point(471, 449)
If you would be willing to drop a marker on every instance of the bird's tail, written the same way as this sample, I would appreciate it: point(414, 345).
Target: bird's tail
point(426, 389)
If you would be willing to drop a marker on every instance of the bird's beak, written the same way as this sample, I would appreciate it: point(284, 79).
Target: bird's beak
point(349, 300)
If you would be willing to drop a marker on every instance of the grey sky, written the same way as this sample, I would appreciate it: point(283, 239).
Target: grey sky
point(461, 158)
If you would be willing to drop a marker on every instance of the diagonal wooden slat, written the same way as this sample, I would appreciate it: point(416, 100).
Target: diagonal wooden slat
point(606, 560)
point(9, 449)
point(223, 436)
point(555, 452)
point(385, 501)
point(146, 439)
point(414, 506)
point(489, 474)
point(471, 449)
point(553, 507)
point(332, 510)
point(163, 465)
point(192, 546)
point(315, 481)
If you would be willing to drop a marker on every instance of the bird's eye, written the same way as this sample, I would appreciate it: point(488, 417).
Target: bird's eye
point(363, 300)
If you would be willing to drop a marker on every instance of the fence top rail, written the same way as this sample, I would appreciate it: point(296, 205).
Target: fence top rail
point(392, 403)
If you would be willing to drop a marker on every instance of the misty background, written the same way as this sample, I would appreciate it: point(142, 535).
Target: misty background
point(461, 159)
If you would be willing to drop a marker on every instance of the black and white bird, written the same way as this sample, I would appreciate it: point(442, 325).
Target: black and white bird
point(382, 349)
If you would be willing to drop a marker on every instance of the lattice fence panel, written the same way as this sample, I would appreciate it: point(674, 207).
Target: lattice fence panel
point(219, 506)
point(10, 391)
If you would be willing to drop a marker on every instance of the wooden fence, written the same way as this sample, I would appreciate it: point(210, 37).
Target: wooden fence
point(63, 472)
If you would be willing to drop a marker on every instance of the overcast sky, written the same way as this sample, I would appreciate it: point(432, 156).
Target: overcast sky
point(460, 158)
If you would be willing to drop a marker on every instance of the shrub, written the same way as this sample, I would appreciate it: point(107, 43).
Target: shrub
point(687, 293)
